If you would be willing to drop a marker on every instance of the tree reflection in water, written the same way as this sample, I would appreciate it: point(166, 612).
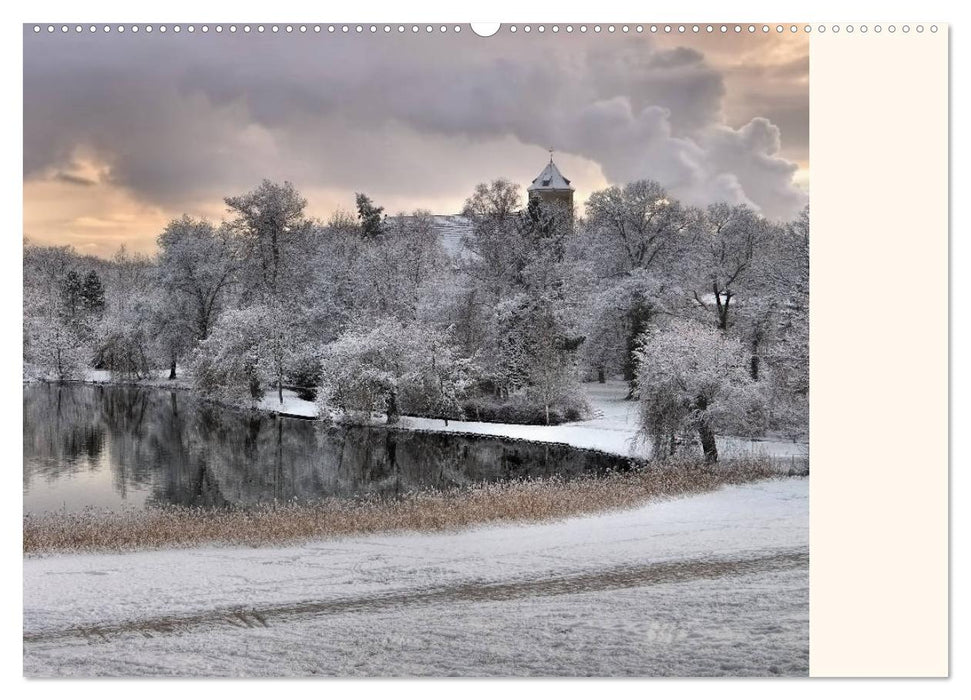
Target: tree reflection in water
point(191, 453)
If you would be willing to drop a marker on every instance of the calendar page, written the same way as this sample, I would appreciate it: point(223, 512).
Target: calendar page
point(513, 350)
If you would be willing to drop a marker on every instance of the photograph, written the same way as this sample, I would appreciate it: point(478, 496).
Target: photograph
point(396, 350)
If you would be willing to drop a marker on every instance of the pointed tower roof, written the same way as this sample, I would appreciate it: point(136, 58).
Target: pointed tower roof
point(550, 180)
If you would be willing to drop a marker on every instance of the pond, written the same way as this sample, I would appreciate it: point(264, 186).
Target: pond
point(119, 447)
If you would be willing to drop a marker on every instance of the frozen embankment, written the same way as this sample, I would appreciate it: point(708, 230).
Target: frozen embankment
point(715, 584)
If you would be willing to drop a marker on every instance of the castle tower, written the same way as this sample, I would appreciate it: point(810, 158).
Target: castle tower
point(552, 188)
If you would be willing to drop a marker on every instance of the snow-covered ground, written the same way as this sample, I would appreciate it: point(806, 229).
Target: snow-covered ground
point(715, 584)
point(159, 378)
point(292, 405)
point(612, 429)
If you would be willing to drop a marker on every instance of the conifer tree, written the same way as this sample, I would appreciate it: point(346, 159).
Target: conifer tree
point(370, 215)
point(92, 293)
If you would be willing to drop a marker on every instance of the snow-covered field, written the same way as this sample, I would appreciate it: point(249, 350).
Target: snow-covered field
point(715, 584)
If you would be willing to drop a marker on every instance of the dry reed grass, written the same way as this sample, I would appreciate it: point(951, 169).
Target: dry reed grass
point(428, 511)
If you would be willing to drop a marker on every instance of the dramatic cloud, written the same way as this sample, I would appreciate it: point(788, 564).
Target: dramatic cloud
point(176, 122)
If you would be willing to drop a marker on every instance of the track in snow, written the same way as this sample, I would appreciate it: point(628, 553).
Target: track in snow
point(583, 582)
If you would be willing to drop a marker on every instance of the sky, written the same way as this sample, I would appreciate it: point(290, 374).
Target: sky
point(123, 132)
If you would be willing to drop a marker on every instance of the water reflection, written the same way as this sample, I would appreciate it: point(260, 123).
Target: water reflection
point(112, 447)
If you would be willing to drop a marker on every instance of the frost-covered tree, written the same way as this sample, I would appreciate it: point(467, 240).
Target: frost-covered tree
point(727, 254)
point(337, 288)
point(692, 378)
point(788, 356)
point(636, 226)
point(395, 368)
point(274, 235)
point(467, 311)
point(495, 241)
point(125, 341)
point(71, 289)
point(172, 329)
point(82, 302)
point(92, 294)
point(197, 264)
point(249, 350)
point(552, 365)
point(616, 314)
point(544, 232)
point(756, 326)
point(54, 347)
point(632, 247)
point(402, 272)
point(53, 344)
point(517, 303)
point(422, 264)
point(128, 274)
point(343, 223)
point(536, 353)
point(229, 364)
point(123, 338)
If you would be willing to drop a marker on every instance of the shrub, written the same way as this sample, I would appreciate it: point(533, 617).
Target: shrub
point(305, 376)
point(519, 410)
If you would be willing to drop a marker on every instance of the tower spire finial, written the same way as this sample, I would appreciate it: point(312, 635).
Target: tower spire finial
point(551, 154)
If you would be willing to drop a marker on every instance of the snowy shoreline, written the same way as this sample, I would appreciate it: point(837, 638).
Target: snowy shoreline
point(612, 429)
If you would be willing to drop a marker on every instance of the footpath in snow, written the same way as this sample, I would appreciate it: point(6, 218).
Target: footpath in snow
point(714, 584)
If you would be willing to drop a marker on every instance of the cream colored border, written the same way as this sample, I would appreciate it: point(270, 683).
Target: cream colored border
point(879, 353)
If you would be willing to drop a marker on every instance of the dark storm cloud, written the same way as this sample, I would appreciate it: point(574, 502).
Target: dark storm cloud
point(181, 117)
point(74, 179)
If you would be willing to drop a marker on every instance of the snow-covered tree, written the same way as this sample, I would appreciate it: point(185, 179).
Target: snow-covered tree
point(536, 353)
point(274, 235)
point(92, 294)
point(172, 329)
point(123, 338)
point(692, 378)
point(493, 210)
point(54, 347)
point(401, 272)
point(71, 288)
point(637, 226)
point(125, 341)
point(756, 326)
point(197, 263)
point(395, 368)
point(616, 313)
point(788, 356)
point(552, 365)
point(543, 233)
point(727, 255)
point(54, 343)
point(249, 350)
point(82, 302)
point(229, 364)
point(633, 247)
